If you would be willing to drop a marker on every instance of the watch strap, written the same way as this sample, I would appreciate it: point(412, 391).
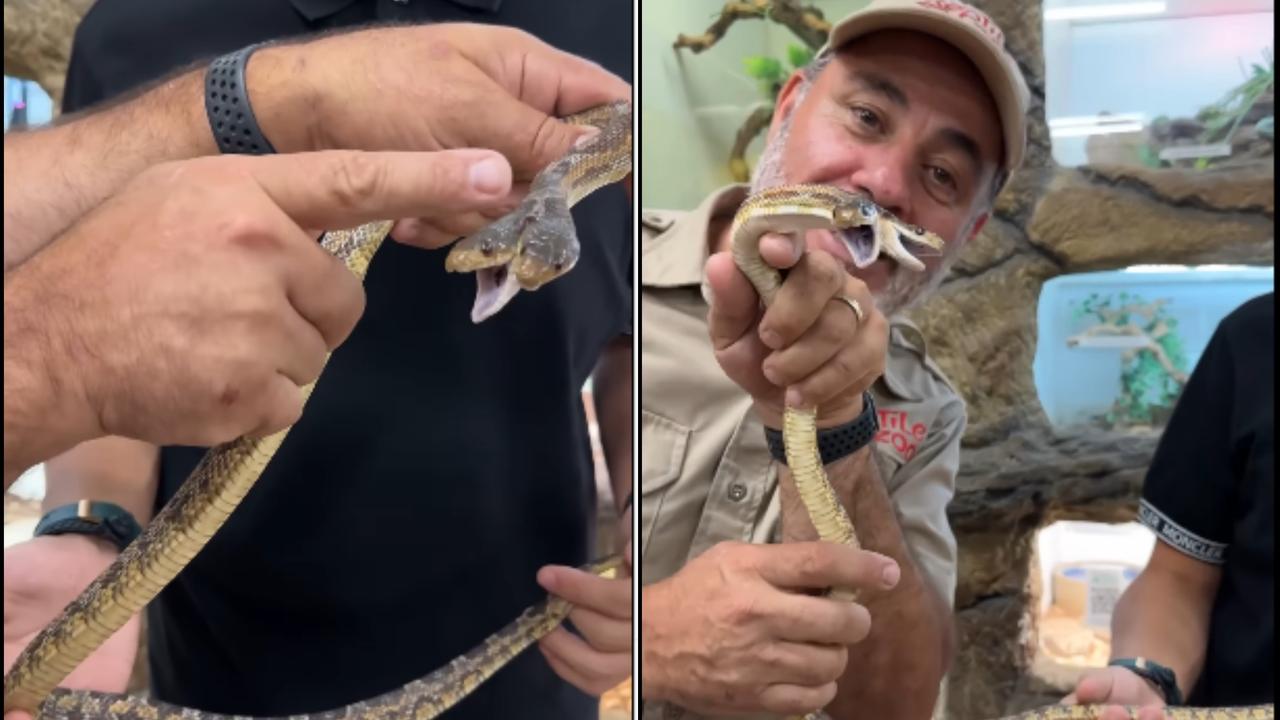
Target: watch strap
point(837, 442)
point(1163, 678)
point(226, 103)
point(91, 517)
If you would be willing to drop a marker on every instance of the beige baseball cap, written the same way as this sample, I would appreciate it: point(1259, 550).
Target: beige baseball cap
point(971, 32)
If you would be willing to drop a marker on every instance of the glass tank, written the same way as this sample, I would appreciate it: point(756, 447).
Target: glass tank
point(25, 104)
point(1115, 348)
point(1182, 83)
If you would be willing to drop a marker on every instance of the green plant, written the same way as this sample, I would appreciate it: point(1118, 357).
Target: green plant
point(770, 71)
point(1148, 388)
point(1223, 117)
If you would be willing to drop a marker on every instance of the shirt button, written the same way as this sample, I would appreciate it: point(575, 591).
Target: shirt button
point(737, 491)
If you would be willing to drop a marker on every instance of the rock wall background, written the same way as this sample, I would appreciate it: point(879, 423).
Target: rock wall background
point(1017, 474)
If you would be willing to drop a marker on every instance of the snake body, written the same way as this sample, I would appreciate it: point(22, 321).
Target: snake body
point(868, 231)
point(542, 243)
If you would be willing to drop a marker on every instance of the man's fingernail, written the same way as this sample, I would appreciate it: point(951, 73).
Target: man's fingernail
point(547, 577)
point(490, 176)
point(794, 398)
point(770, 338)
point(586, 138)
point(770, 374)
point(890, 575)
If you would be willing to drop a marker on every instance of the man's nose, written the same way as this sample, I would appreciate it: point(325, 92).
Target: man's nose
point(885, 178)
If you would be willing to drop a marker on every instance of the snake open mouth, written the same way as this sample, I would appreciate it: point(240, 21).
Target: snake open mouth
point(861, 241)
point(866, 246)
point(495, 286)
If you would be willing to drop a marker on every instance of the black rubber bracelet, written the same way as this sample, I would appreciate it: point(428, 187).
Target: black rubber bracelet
point(226, 103)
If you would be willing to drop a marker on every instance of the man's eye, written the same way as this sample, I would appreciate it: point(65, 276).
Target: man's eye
point(867, 117)
point(940, 175)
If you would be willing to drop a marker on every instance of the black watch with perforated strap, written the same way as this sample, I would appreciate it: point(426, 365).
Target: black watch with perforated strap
point(1163, 678)
point(837, 442)
point(93, 518)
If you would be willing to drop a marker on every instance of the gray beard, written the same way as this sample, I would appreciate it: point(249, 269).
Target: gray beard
point(905, 287)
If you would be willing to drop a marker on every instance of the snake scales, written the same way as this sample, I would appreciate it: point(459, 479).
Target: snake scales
point(867, 230)
point(525, 249)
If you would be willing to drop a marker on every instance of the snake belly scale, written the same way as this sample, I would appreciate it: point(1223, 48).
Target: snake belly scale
point(543, 245)
point(867, 230)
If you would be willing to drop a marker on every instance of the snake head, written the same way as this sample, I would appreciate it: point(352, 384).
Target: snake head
point(868, 230)
point(548, 243)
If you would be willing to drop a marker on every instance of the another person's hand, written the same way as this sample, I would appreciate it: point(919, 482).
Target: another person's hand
point(429, 87)
point(41, 576)
point(808, 340)
point(601, 658)
point(192, 305)
point(1116, 687)
point(736, 631)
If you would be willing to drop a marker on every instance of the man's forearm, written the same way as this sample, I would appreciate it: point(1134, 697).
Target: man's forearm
point(82, 159)
point(41, 415)
point(897, 670)
point(1167, 620)
point(612, 395)
point(112, 469)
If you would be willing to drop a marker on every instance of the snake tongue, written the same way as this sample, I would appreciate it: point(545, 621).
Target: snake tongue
point(495, 286)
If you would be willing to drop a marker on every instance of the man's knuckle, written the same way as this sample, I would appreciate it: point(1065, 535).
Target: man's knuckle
point(815, 562)
point(828, 271)
point(741, 609)
point(358, 179)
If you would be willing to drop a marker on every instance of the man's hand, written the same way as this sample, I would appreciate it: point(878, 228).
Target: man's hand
point(602, 613)
point(808, 340)
point(190, 307)
point(1114, 687)
point(439, 86)
point(735, 631)
point(41, 576)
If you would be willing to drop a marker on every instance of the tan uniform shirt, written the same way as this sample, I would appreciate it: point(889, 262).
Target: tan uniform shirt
point(706, 473)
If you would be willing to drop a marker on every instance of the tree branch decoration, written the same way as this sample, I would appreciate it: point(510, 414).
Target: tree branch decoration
point(805, 21)
point(1153, 369)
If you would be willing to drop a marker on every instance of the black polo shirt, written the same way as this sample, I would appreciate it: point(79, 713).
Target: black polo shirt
point(1209, 494)
point(438, 465)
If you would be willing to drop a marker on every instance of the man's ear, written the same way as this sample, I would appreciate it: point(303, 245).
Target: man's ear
point(787, 97)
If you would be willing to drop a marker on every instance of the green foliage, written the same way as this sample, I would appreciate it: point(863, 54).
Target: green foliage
point(799, 55)
point(1221, 118)
point(771, 73)
point(1147, 389)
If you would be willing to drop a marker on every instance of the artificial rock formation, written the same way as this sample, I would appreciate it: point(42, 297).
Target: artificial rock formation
point(37, 40)
point(1017, 474)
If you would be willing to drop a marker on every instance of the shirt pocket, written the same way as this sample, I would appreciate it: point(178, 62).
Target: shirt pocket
point(662, 458)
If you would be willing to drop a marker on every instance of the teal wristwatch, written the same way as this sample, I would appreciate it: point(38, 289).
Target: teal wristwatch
point(1162, 677)
point(91, 517)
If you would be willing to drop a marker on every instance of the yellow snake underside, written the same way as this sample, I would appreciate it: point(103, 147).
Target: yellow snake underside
point(532, 245)
point(868, 231)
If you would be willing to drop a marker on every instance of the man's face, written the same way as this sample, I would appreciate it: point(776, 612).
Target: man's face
point(906, 119)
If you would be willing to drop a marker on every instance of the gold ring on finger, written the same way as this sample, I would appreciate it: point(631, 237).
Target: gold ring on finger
point(854, 306)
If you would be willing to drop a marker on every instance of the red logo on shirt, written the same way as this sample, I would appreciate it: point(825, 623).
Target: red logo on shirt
point(899, 432)
point(967, 13)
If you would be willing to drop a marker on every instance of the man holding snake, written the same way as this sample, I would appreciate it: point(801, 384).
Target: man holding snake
point(918, 106)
